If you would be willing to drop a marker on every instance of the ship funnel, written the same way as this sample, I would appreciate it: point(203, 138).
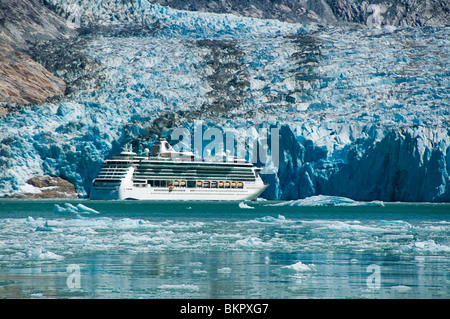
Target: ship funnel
point(162, 148)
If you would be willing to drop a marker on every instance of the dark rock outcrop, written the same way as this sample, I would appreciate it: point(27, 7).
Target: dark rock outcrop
point(49, 187)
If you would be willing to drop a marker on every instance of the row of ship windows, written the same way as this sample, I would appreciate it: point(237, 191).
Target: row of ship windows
point(188, 184)
point(176, 169)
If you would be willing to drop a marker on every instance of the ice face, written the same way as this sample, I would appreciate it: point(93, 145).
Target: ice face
point(362, 113)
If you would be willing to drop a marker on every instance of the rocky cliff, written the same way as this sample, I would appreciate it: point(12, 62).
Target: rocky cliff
point(24, 81)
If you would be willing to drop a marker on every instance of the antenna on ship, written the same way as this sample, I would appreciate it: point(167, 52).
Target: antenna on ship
point(127, 150)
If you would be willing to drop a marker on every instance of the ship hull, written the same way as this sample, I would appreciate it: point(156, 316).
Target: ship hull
point(195, 194)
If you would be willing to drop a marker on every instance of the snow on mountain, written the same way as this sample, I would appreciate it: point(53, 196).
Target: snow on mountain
point(361, 112)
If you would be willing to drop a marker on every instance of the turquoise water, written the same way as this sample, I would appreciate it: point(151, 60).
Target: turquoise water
point(133, 249)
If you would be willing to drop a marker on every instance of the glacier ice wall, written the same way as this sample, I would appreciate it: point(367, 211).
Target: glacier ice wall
point(362, 113)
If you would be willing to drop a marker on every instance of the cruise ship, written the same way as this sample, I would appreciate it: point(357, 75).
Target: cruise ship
point(165, 174)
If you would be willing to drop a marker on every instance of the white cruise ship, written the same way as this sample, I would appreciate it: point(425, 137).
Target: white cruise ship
point(165, 174)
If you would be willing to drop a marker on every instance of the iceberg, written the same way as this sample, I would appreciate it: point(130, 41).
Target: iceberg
point(46, 227)
point(427, 246)
point(271, 219)
point(40, 254)
point(245, 206)
point(71, 209)
point(295, 269)
point(250, 242)
point(84, 209)
point(322, 200)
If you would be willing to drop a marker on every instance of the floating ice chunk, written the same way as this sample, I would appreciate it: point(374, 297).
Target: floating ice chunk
point(59, 210)
point(71, 209)
point(67, 209)
point(322, 200)
point(224, 270)
point(430, 245)
point(85, 209)
point(46, 227)
point(244, 205)
point(250, 242)
point(196, 264)
point(425, 246)
point(269, 219)
point(401, 288)
point(341, 226)
point(39, 254)
point(395, 223)
point(182, 287)
point(334, 225)
point(294, 269)
point(266, 219)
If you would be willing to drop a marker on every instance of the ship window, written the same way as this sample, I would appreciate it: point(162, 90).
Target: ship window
point(157, 184)
point(163, 183)
point(191, 184)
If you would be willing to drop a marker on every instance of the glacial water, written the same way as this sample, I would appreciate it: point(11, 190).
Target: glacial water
point(322, 247)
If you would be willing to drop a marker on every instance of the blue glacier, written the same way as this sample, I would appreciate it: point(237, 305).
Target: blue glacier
point(362, 113)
